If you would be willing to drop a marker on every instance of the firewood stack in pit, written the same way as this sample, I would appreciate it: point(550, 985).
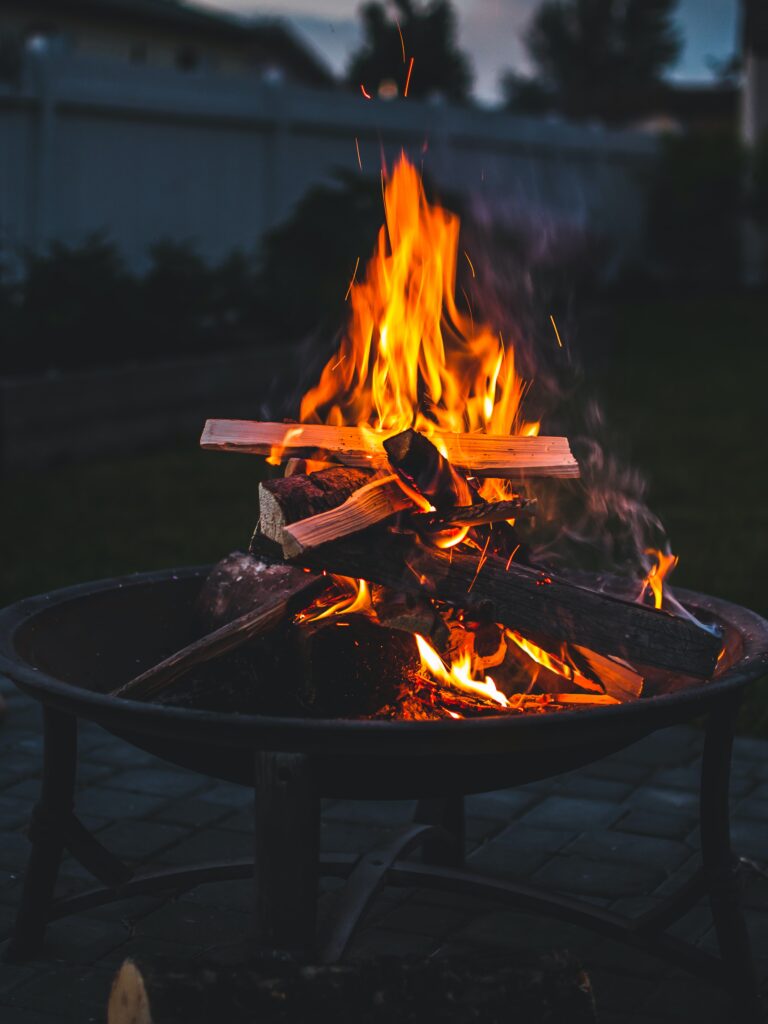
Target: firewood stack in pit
point(392, 572)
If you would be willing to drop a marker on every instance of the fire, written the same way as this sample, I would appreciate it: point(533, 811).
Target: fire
point(411, 357)
point(459, 675)
point(664, 564)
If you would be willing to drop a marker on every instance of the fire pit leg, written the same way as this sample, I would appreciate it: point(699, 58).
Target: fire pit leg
point(54, 807)
point(721, 868)
point(446, 813)
point(286, 852)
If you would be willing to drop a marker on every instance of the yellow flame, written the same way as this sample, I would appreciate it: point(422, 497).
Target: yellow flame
point(459, 675)
point(665, 563)
point(409, 357)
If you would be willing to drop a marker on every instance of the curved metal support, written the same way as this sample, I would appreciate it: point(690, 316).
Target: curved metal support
point(367, 877)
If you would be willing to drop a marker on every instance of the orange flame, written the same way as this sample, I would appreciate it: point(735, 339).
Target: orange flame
point(665, 563)
point(410, 358)
point(459, 675)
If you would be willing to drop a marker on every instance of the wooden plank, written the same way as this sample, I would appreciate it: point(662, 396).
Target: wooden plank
point(493, 455)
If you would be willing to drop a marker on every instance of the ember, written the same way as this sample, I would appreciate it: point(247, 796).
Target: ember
point(420, 479)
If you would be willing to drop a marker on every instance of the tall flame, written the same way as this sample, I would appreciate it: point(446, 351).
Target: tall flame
point(410, 357)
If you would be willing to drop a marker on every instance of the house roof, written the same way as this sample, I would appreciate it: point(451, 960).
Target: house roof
point(270, 37)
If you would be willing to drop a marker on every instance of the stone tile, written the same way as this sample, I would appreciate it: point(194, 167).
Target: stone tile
point(159, 780)
point(14, 812)
point(197, 813)
point(191, 924)
point(580, 785)
point(651, 823)
point(83, 940)
point(422, 919)
point(13, 975)
point(584, 876)
point(109, 803)
point(227, 794)
point(27, 789)
point(122, 755)
point(504, 805)
point(140, 840)
point(666, 800)
point(477, 830)
point(750, 836)
point(622, 848)
point(561, 812)
point(68, 993)
point(23, 1015)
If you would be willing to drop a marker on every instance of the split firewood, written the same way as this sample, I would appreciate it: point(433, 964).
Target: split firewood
point(479, 514)
point(370, 504)
point(272, 609)
point(240, 583)
point(291, 499)
point(527, 599)
point(618, 678)
point(422, 467)
point(496, 455)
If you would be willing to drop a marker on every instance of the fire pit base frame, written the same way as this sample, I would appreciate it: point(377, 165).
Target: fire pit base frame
point(287, 864)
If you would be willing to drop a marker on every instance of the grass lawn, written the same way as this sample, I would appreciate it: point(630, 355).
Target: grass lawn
point(683, 383)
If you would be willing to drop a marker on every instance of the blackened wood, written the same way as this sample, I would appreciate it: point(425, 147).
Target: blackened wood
point(494, 455)
point(351, 666)
point(478, 514)
point(291, 499)
point(274, 609)
point(286, 852)
point(421, 465)
point(526, 599)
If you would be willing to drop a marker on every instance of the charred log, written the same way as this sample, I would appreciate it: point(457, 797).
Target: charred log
point(527, 599)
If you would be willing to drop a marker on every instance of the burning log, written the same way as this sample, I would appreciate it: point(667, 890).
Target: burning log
point(497, 455)
point(419, 463)
point(529, 600)
point(370, 504)
point(481, 513)
point(281, 593)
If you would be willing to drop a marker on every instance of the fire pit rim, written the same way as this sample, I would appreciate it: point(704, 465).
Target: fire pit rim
point(243, 727)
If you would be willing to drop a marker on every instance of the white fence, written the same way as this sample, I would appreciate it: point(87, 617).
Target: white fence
point(145, 154)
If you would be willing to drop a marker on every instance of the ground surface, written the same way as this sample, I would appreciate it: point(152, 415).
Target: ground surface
point(620, 833)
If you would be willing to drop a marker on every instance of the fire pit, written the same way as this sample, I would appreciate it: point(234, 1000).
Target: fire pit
point(70, 648)
point(410, 621)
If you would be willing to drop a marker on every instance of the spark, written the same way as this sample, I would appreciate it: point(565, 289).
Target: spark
point(339, 361)
point(469, 261)
point(352, 281)
point(365, 92)
point(480, 562)
point(557, 333)
point(402, 41)
point(509, 560)
point(357, 147)
point(408, 77)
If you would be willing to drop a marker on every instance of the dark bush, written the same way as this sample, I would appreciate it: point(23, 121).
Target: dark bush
point(696, 209)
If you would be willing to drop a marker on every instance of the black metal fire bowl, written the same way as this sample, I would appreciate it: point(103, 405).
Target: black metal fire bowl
point(68, 649)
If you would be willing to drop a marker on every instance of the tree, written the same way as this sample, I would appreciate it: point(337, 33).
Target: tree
point(425, 33)
point(596, 57)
